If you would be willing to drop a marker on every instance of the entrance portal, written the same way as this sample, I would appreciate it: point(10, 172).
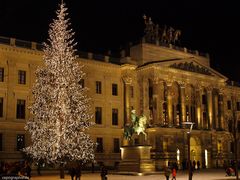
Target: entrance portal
point(196, 150)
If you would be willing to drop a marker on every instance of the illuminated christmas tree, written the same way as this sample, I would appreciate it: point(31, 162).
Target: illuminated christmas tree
point(61, 108)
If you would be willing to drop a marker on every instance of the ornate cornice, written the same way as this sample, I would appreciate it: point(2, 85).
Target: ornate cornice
point(20, 50)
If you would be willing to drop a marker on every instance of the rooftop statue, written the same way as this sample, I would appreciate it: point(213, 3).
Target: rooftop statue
point(155, 33)
point(138, 125)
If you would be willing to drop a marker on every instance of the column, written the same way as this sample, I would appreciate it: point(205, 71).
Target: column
point(182, 101)
point(198, 107)
point(209, 107)
point(221, 110)
point(127, 83)
point(169, 103)
point(145, 97)
point(161, 101)
point(156, 102)
point(216, 109)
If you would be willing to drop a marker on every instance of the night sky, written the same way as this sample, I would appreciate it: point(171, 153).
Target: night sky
point(207, 26)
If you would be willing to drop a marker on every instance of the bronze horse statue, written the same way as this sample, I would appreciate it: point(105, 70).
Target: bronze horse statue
point(138, 126)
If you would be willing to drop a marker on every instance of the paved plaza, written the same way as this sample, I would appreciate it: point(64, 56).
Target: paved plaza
point(208, 174)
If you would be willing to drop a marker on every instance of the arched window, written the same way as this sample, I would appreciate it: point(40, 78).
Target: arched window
point(178, 156)
point(206, 157)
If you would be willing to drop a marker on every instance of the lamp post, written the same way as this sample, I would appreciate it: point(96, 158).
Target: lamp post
point(188, 142)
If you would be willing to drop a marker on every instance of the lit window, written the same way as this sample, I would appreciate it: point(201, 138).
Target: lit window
point(178, 156)
point(20, 141)
point(219, 146)
point(206, 158)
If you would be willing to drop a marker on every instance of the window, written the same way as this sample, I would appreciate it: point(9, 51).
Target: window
point(232, 147)
point(204, 99)
point(81, 83)
point(1, 74)
point(20, 109)
point(1, 142)
point(230, 125)
point(238, 106)
point(116, 145)
point(164, 105)
point(99, 145)
point(98, 115)
point(98, 87)
point(229, 105)
point(21, 77)
point(150, 92)
point(165, 145)
point(1, 107)
point(131, 92)
point(219, 146)
point(114, 116)
point(238, 126)
point(114, 90)
point(20, 141)
point(187, 113)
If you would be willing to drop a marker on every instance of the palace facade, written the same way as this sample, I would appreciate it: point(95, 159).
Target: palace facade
point(168, 84)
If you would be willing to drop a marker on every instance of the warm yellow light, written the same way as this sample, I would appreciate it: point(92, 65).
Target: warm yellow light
point(206, 157)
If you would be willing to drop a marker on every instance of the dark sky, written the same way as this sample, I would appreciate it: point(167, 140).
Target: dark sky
point(207, 26)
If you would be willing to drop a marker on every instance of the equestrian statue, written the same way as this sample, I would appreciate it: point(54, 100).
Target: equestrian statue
point(138, 125)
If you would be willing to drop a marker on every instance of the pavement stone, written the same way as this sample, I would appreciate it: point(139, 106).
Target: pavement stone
point(206, 174)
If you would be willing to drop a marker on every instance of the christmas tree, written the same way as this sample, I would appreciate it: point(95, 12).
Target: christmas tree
point(61, 108)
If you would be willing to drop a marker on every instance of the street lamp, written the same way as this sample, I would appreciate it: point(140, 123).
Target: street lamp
point(188, 141)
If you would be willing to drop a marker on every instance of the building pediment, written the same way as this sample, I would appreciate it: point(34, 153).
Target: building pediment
point(193, 67)
point(196, 67)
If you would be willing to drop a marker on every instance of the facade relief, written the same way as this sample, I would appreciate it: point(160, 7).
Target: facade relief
point(190, 66)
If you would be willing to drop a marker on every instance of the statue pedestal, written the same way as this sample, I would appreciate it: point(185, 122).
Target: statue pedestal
point(136, 159)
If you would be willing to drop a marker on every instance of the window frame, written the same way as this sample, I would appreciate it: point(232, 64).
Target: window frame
point(22, 77)
point(1, 74)
point(115, 116)
point(99, 148)
point(98, 117)
point(116, 145)
point(98, 87)
point(21, 145)
point(21, 109)
point(1, 142)
point(114, 89)
point(1, 106)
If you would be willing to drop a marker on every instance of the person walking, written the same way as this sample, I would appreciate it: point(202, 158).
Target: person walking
point(104, 173)
point(78, 172)
point(167, 173)
point(174, 174)
point(72, 172)
point(28, 170)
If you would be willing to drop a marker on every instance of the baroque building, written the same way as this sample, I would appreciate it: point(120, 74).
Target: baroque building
point(168, 84)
